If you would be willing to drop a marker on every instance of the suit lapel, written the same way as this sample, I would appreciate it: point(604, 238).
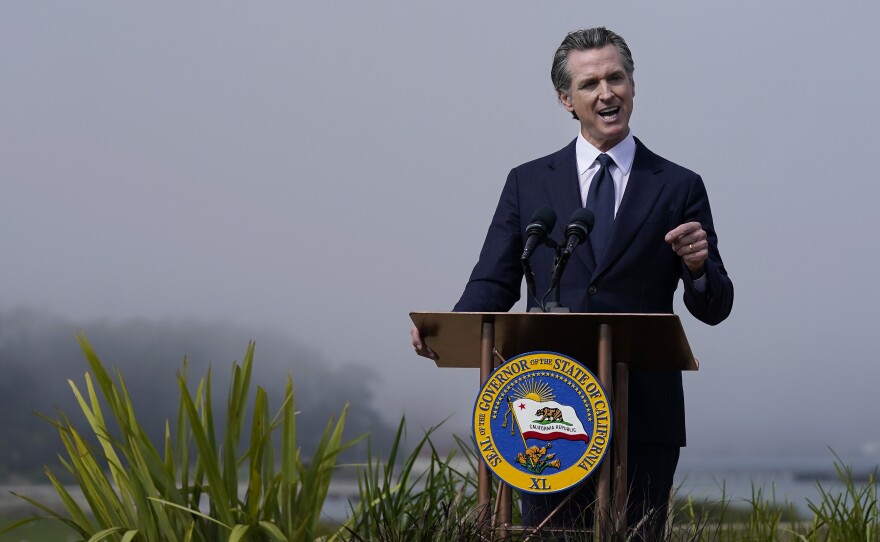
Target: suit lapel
point(564, 191)
point(642, 191)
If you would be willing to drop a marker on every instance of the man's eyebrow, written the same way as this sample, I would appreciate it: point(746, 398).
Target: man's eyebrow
point(588, 80)
point(591, 79)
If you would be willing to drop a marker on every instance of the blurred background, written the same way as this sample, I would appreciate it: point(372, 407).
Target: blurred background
point(179, 179)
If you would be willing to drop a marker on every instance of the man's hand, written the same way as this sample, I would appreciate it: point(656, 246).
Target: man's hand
point(689, 242)
point(421, 348)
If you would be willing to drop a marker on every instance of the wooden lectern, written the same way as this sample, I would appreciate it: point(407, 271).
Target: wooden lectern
point(637, 341)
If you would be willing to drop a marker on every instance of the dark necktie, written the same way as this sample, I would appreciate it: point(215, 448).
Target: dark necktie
point(600, 200)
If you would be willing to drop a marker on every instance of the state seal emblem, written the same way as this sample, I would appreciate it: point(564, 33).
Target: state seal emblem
point(542, 422)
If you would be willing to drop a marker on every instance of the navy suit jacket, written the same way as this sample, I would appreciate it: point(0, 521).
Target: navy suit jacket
point(638, 273)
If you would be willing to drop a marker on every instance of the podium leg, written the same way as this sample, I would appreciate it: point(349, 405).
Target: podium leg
point(505, 500)
point(484, 479)
point(621, 440)
point(603, 491)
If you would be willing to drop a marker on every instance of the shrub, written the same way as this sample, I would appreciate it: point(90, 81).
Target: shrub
point(138, 492)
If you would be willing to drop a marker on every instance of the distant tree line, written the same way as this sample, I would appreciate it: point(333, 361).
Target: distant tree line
point(38, 354)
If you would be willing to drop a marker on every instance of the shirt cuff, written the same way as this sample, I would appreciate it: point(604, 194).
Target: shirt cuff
point(700, 283)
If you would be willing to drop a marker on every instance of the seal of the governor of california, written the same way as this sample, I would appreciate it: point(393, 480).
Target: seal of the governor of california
point(542, 422)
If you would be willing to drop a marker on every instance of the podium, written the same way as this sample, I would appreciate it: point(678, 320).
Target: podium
point(605, 343)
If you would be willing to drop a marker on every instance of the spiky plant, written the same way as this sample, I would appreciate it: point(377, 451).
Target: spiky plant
point(199, 485)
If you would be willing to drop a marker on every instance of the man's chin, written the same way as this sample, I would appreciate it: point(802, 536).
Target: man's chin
point(609, 139)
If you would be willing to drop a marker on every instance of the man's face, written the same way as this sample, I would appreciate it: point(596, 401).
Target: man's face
point(601, 95)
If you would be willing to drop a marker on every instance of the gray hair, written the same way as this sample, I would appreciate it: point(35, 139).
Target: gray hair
point(583, 40)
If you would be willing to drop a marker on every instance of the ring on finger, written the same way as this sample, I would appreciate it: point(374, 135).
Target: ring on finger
point(691, 248)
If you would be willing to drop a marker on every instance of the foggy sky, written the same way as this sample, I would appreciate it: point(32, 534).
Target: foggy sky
point(322, 169)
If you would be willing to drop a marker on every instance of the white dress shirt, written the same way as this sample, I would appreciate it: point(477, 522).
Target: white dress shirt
point(623, 155)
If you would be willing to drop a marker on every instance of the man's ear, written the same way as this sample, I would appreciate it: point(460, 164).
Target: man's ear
point(565, 100)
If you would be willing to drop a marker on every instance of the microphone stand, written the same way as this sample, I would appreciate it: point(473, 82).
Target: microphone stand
point(554, 304)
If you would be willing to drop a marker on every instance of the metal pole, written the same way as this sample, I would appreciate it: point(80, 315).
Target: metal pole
point(603, 496)
point(621, 438)
point(484, 479)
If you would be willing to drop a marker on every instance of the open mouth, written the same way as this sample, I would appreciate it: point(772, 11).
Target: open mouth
point(609, 113)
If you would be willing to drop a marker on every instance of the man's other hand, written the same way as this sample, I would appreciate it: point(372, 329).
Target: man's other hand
point(689, 242)
point(419, 345)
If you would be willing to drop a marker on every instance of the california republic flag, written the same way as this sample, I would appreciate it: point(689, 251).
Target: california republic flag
point(548, 420)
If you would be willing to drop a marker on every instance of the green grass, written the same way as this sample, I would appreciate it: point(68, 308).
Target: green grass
point(40, 531)
point(186, 488)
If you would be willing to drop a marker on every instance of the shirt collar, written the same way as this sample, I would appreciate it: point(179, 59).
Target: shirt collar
point(623, 153)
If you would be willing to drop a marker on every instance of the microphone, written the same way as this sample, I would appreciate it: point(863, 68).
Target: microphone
point(576, 232)
point(578, 229)
point(542, 222)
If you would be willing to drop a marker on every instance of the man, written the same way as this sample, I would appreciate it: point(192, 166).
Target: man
point(653, 229)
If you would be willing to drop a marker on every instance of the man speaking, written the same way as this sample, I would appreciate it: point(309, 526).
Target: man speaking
point(653, 228)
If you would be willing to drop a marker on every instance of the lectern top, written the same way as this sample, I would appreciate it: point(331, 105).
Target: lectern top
point(644, 341)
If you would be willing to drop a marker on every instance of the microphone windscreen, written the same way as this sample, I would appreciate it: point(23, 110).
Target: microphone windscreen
point(584, 217)
point(545, 217)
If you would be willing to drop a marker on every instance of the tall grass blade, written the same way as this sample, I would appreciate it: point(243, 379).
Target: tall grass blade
point(137, 491)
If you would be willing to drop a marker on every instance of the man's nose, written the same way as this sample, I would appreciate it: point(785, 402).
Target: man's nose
point(604, 90)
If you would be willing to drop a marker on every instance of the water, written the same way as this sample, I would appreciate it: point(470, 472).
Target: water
point(735, 484)
point(797, 486)
point(740, 487)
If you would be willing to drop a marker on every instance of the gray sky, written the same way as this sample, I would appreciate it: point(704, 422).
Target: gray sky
point(324, 168)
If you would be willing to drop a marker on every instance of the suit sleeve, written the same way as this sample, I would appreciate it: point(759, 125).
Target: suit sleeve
point(495, 282)
point(713, 305)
